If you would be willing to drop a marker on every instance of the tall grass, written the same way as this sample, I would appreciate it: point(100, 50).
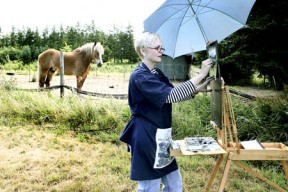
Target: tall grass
point(265, 119)
point(192, 118)
point(72, 113)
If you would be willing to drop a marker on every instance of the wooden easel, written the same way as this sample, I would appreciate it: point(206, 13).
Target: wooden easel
point(228, 138)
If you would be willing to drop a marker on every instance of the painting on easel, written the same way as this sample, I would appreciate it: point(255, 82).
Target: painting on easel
point(216, 85)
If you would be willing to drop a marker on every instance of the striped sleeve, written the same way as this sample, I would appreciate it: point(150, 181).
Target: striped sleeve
point(182, 92)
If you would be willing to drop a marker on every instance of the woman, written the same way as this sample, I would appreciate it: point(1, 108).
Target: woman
point(149, 132)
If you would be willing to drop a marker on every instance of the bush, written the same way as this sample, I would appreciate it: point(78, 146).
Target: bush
point(9, 53)
point(26, 54)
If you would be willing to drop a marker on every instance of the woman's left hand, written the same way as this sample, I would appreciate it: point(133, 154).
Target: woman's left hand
point(203, 87)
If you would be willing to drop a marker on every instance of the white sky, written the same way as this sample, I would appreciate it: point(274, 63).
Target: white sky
point(48, 13)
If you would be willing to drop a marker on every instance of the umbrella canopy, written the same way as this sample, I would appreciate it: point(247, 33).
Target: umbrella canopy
point(185, 26)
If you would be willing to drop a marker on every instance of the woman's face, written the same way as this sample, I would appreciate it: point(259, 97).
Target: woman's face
point(153, 53)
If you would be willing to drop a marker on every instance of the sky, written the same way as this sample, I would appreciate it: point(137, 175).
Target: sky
point(40, 14)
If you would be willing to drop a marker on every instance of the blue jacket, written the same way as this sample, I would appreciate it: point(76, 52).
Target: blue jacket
point(148, 133)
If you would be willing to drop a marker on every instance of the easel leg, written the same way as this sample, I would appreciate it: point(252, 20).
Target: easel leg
point(225, 173)
point(285, 167)
point(241, 165)
point(214, 173)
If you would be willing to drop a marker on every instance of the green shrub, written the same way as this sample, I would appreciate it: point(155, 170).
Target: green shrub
point(9, 54)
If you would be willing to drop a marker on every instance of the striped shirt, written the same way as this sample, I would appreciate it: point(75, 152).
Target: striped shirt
point(181, 92)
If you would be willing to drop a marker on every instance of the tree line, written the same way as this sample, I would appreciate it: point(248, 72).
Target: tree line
point(260, 48)
point(26, 44)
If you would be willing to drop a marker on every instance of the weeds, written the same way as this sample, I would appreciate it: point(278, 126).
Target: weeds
point(8, 85)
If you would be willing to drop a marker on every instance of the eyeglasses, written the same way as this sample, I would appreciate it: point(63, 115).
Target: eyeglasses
point(158, 48)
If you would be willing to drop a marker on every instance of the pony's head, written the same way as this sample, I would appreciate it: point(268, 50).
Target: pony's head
point(98, 50)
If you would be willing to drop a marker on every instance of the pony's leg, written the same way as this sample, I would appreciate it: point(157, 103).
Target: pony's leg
point(81, 77)
point(49, 76)
point(80, 82)
point(42, 78)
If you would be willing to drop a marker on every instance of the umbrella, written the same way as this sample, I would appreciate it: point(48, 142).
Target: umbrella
point(186, 26)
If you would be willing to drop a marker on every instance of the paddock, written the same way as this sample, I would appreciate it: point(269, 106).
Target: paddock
point(107, 84)
point(78, 63)
point(98, 84)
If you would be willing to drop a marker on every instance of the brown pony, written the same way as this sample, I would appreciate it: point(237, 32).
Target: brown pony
point(76, 63)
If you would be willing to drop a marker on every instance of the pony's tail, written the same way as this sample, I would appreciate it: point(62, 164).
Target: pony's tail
point(37, 76)
point(38, 72)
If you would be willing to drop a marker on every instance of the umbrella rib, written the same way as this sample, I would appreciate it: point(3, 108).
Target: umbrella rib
point(196, 12)
point(176, 14)
point(179, 31)
point(169, 18)
point(213, 9)
point(197, 20)
point(177, 10)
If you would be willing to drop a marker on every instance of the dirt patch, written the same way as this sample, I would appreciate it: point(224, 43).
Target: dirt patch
point(258, 92)
point(115, 85)
point(97, 84)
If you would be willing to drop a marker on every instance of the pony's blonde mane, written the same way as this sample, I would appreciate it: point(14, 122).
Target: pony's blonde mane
point(88, 48)
point(99, 48)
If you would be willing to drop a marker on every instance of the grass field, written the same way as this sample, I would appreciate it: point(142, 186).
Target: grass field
point(41, 150)
point(38, 159)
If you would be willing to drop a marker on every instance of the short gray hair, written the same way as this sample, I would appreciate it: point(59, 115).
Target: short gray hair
point(145, 40)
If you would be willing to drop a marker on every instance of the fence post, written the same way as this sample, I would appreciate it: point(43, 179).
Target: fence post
point(61, 74)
